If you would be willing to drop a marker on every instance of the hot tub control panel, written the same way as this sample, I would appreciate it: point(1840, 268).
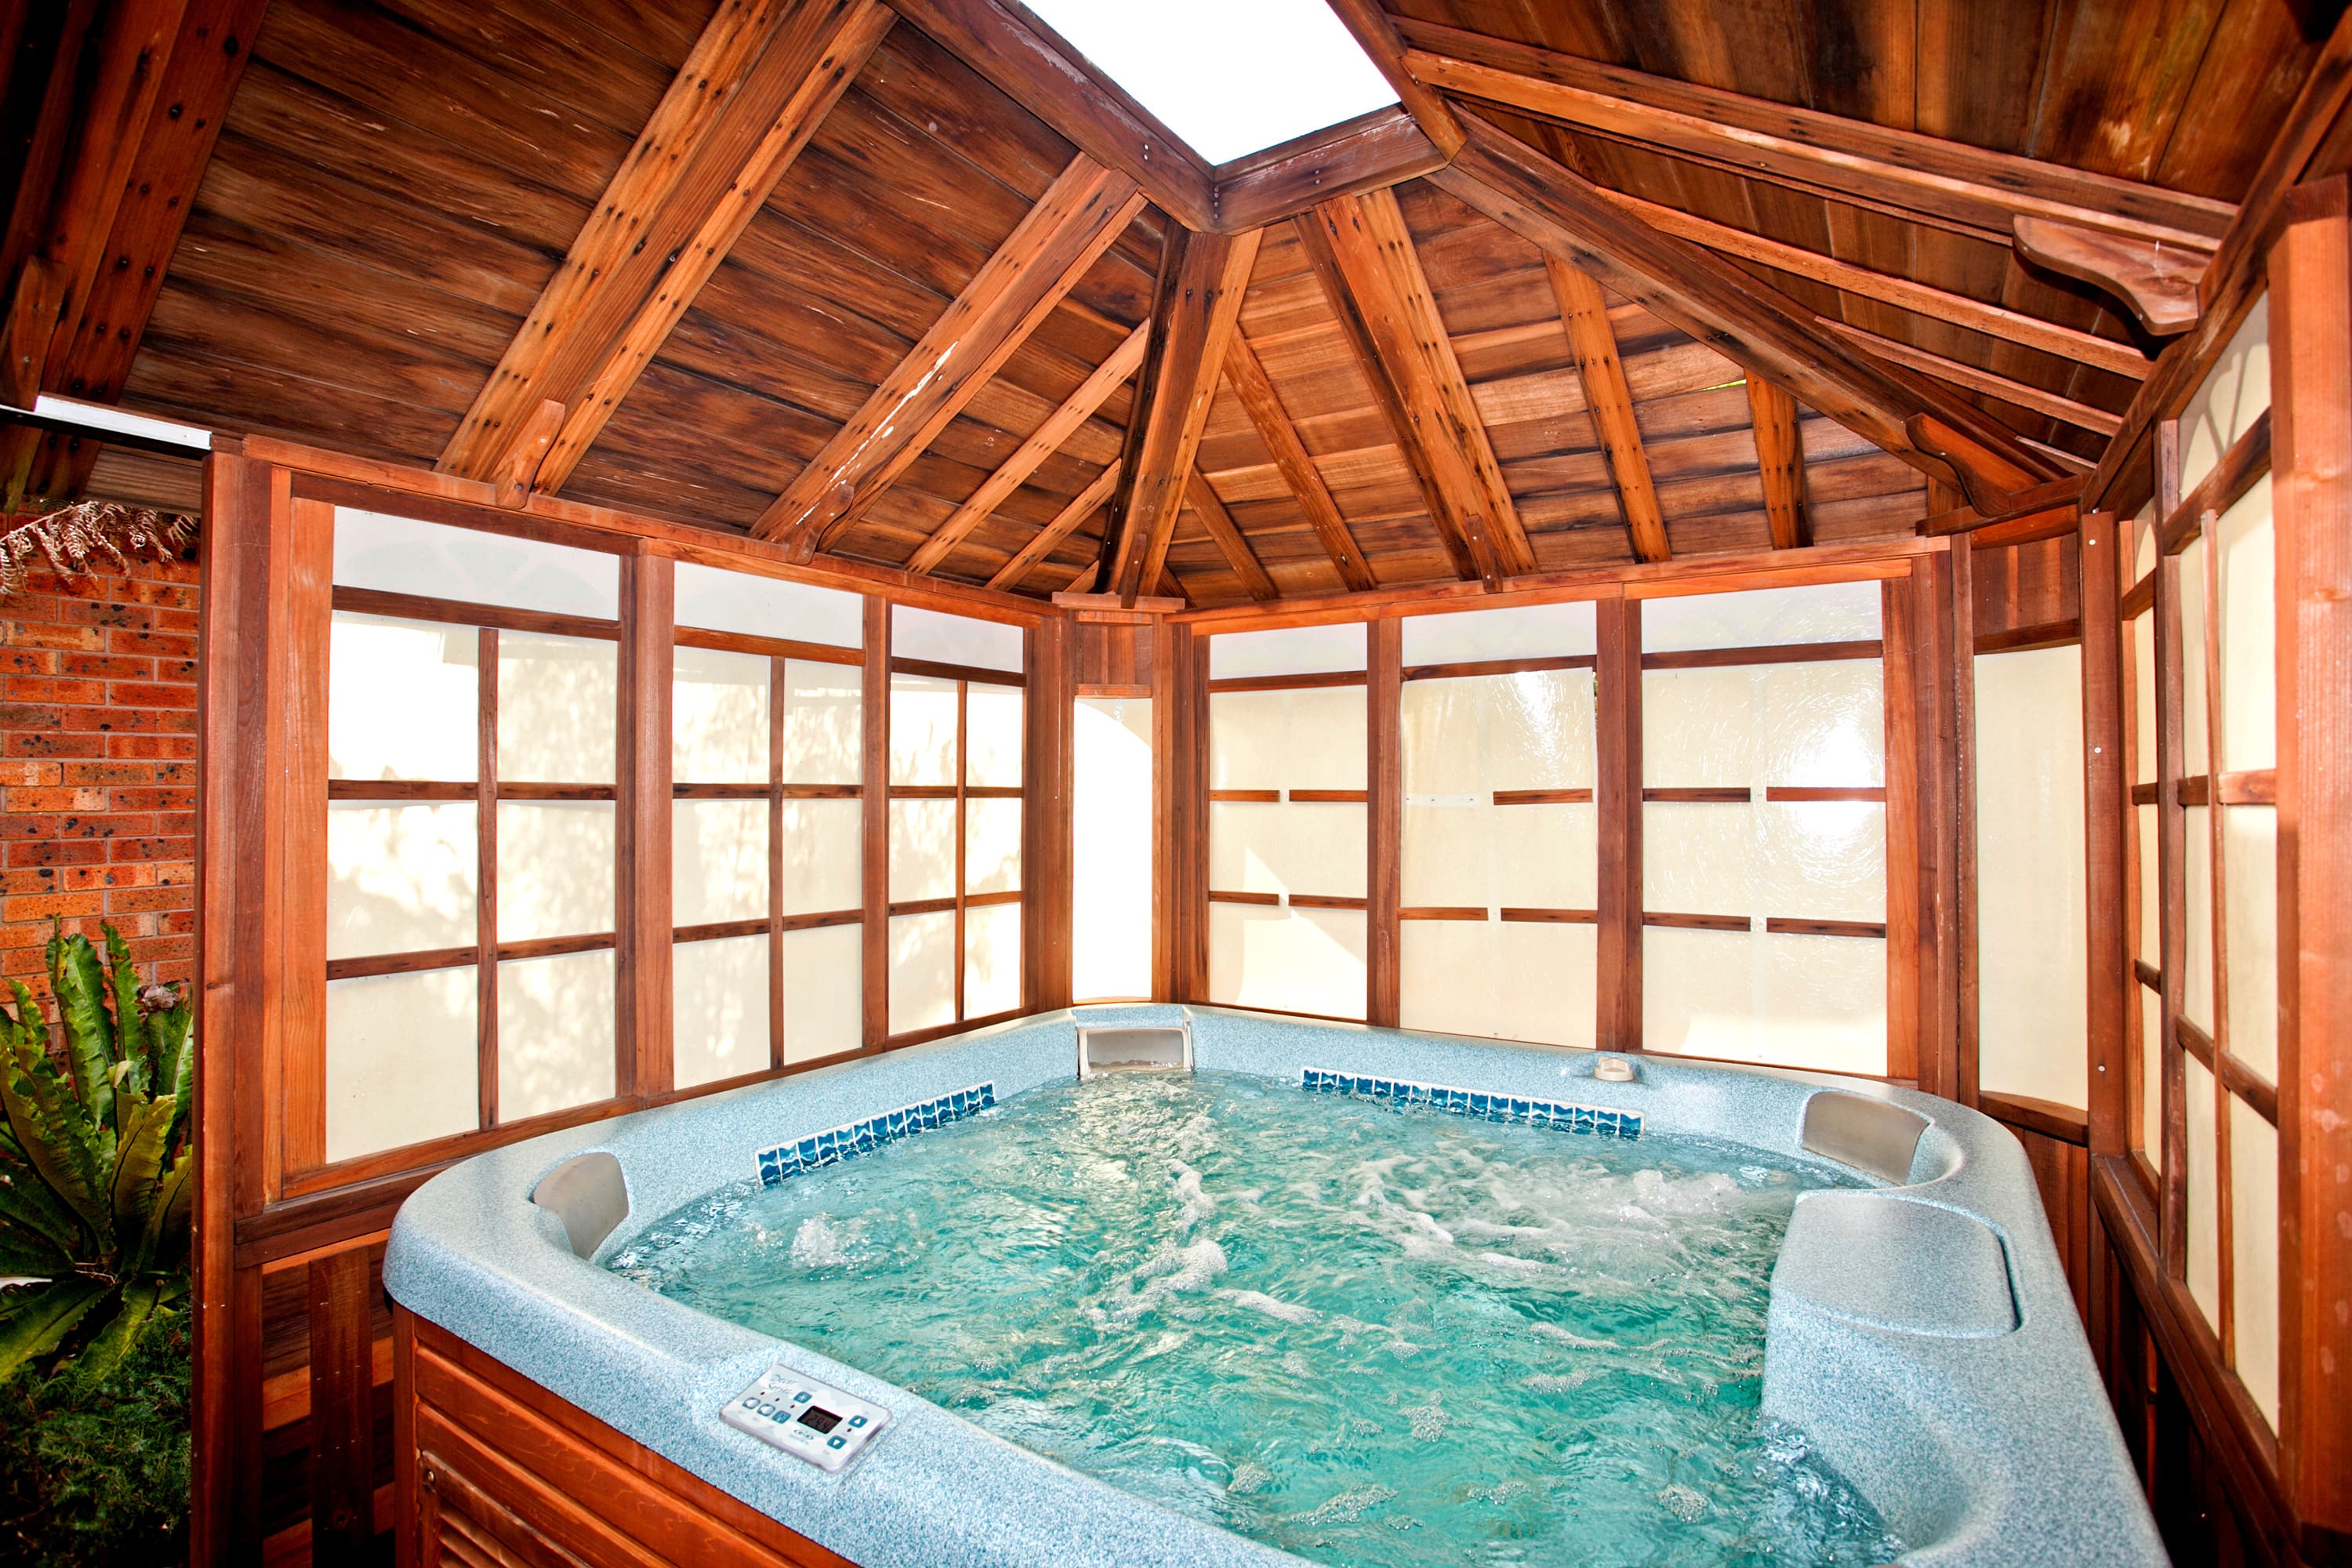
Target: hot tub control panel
point(805, 1418)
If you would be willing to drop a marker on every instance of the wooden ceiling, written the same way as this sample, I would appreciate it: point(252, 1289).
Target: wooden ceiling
point(1633, 279)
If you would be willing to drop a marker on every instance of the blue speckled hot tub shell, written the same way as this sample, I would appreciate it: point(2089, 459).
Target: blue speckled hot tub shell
point(1922, 1335)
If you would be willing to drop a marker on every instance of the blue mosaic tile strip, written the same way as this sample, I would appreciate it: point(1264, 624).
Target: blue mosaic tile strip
point(864, 1137)
point(1485, 1106)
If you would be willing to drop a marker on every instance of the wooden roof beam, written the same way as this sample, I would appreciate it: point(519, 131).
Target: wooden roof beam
point(1781, 460)
point(1382, 148)
point(1077, 218)
point(1762, 330)
point(1082, 506)
point(1229, 541)
point(1194, 318)
point(1376, 33)
point(2082, 416)
point(1585, 313)
point(1043, 443)
point(1946, 183)
point(1264, 405)
point(758, 80)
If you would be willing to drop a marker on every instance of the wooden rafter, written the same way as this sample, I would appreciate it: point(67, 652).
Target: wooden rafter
point(1374, 30)
point(2065, 409)
point(1781, 462)
point(1948, 184)
point(1043, 443)
point(1228, 538)
point(1762, 330)
point(1084, 505)
point(1087, 208)
point(1264, 405)
point(1382, 148)
point(1585, 313)
point(759, 79)
point(1194, 318)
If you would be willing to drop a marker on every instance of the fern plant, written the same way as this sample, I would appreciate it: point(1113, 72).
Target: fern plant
point(97, 1178)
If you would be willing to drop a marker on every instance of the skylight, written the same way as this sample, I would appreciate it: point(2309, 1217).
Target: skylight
point(1230, 77)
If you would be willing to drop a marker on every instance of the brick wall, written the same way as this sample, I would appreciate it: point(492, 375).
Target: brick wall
point(97, 765)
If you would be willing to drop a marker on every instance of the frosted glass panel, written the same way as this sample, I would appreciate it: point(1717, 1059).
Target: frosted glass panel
point(556, 713)
point(403, 1060)
point(1310, 739)
point(1801, 725)
point(1762, 617)
point(1293, 961)
point(2233, 395)
point(400, 879)
point(2248, 618)
point(992, 959)
point(1309, 848)
point(2250, 887)
point(922, 972)
point(991, 845)
point(1701, 860)
point(1490, 857)
point(823, 991)
point(2254, 1254)
point(992, 736)
point(555, 868)
point(1110, 818)
point(922, 731)
point(718, 1007)
point(1514, 980)
point(922, 850)
point(2151, 903)
point(2197, 970)
point(2204, 1228)
point(2152, 1074)
point(721, 601)
point(1822, 859)
point(718, 718)
point(2143, 737)
point(1535, 631)
point(2192, 658)
point(1487, 732)
point(402, 555)
point(555, 1033)
point(2033, 1015)
point(1295, 650)
point(718, 861)
point(823, 704)
point(953, 639)
point(1789, 1001)
point(823, 860)
point(403, 700)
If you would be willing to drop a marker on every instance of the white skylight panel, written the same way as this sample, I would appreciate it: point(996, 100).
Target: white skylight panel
point(1230, 77)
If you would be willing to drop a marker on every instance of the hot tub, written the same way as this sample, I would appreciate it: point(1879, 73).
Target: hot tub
point(1920, 1337)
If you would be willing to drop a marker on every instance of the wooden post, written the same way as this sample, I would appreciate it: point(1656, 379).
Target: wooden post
point(648, 624)
point(874, 822)
point(1180, 784)
point(1961, 588)
point(1384, 823)
point(1047, 854)
point(2106, 799)
point(1617, 725)
point(1908, 849)
point(2311, 433)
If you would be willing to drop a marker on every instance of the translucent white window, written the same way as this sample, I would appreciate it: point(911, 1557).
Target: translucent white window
point(1111, 820)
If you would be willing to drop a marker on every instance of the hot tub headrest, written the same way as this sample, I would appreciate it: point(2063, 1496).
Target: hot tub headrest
point(588, 1194)
point(1868, 1135)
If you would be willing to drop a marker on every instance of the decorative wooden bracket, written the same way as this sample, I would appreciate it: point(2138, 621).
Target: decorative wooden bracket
point(2158, 281)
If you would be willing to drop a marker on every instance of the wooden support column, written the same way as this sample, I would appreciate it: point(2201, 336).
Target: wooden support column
point(1180, 850)
point(1384, 821)
point(1781, 460)
point(1077, 218)
point(643, 895)
point(1047, 853)
point(1907, 792)
point(1617, 725)
point(1585, 313)
point(2106, 806)
point(874, 824)
point(2311, 424)
point(1960, 651)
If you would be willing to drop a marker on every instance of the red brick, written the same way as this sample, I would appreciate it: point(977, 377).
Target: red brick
point(54, 744)
point(177, 621)
point(44, 688)
point(159, 644)
point(68, 851)
point(59, 800)
point(115, 774)
point(176, 748)
point(78, 638)
point(40, 906)
point(131, 899)
point(175, 821)
point(149, 694)
point(152, 799)
point(28, 716)
point(148, 848)
point(30, 773)
point(16, 829)
point(106, 667)
point(179, 595)
point(105, 616)
point(33, 662)
point(77, 877)
point(109, 825)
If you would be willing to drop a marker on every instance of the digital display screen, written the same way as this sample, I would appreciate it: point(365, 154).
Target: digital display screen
point(822, 1420)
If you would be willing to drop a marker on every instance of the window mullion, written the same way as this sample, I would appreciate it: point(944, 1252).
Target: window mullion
point(486, 902)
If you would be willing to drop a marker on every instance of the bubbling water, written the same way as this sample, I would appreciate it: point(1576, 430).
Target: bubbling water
point(1363, 1333)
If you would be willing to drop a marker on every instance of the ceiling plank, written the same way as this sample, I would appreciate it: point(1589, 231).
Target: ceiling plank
point(1780, 461)
point(1043, 443)
point(834, 56)
point(1197, 315)
point(1053, 81)
point(1376, 33)
point(1314, 243)
point(1764, 330)
point(1219, 522)
point(1950, 182)
point(1077, 218)
point(1382, 148)
point(1264, 405)
point(759, 79)
point(2080, 415)
point(1936, 304)
point(1084, 505)
point(1585, 313)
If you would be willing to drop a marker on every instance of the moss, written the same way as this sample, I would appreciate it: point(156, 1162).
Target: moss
point(98, 1477)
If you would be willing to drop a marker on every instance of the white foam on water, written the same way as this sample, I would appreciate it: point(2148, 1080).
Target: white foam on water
point(1258, 1302)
